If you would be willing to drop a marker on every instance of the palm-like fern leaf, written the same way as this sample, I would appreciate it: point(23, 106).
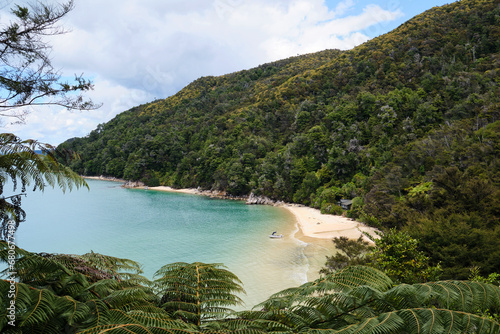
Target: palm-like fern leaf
point(133, 329)
point(340, 281)
point(19, 159)
point(241, 326)
point(424, 320)
point(123, 294)
point(72, 275)
point(198, 291)
point(368, 306)
point(38, 310)
point(45, 272)
point(464, 296)
point(116, 268)
point(34, 164)
point(136, 321)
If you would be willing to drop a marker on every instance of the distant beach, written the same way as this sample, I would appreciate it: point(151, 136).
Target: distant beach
point(159, 227)
point(104, 178)
point(314, 229)
point(312, 223)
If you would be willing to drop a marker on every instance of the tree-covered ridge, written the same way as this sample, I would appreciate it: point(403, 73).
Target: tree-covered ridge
point(406, 124)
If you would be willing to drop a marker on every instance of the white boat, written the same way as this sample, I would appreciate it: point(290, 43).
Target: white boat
point(276, 236)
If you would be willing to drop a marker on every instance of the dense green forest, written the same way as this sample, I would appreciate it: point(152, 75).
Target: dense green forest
point(406, 124)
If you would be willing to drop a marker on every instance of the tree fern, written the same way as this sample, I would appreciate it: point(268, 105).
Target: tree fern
point(353, 303)
point(69, 274)
point(33, 164)
point(116, 268)
point(119, 321)
point(123, 294)
point(343, 280)
point(464, 296)
point(51, 295)
point(197, 292)
point(245, 326)
point(424, 320)
point(39, 310)
point(133, 329)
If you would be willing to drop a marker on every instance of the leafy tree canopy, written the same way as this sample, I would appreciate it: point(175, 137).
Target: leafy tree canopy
point(28, 79)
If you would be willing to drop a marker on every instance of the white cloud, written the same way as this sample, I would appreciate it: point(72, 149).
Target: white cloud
point(343, 7)
point(54, 125)
point(141, 50)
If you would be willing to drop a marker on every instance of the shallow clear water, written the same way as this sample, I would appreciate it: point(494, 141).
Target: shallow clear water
point(155, 228)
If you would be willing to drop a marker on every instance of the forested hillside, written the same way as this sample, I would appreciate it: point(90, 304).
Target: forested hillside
point(406, 124)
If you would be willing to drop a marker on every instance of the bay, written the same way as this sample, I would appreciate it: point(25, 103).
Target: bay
point(156, 228)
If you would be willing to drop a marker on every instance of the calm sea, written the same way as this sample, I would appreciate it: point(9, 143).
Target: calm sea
point(155, 228)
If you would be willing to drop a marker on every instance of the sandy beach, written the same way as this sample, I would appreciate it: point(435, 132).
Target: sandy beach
point(294, 259)
point(104, 178)
point(182, 191)
point(312, 222)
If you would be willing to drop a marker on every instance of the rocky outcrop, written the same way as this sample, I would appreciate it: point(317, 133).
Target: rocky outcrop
point(261, 200)
point(133, 184)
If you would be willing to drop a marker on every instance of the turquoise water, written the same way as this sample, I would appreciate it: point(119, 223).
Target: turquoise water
point(155, 228)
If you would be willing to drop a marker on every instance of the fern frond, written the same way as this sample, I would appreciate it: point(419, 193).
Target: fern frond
point(428, 321)
point(132, 329)
point(241, 325)
point(465, 296)
point(39, 310)
point(124, 293)
point(116, 267)
point(19, 160)
point(198, 291)
point(341, 281)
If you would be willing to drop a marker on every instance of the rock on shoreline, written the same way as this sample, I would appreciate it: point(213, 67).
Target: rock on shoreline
point(133, 184)
point(259, 200)
point(252, 199)
point(126, 183)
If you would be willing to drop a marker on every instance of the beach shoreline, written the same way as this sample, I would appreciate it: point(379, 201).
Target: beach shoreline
point(311, 230)
point(316, 225)
point(104, 178)
point(312, 224)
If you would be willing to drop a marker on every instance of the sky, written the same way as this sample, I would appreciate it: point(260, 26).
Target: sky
point(137, 51)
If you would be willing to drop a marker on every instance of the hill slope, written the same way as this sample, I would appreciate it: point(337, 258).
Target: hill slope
point(406, 123)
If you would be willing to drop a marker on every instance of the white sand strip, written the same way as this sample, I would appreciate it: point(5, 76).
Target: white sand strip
point(183, 191)
point(314, 224)
point(311, 221)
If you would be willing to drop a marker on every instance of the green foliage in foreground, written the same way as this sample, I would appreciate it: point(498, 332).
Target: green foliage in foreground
point(94, 293)
point(29, 163)
point(197, 292)
point(406, 124)
point(394, 252)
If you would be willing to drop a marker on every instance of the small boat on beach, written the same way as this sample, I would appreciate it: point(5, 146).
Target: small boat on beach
point(276, 236)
